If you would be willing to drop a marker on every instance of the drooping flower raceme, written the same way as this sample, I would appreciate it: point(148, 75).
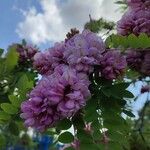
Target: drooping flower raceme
point(112, 64)
point(83, 51)
point(134, 22)
point(139, 4)
point(45, 62)
point(55, 97)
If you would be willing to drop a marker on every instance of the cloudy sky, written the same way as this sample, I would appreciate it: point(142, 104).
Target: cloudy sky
point(43, 22)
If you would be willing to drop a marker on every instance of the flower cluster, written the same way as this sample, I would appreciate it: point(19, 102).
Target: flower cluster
point(65, 68)
point(137, 19)
point(139, 61)
point(83, 51)
point(139, 4)
point(26, 52)
point(46, 61)
point(55, 97)
point(112, 64)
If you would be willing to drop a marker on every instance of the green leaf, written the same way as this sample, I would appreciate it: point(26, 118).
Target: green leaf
point(9, 108)
point(66, 137)
point(14, 100)
point(132, 40)
point(128, 94)
point(88, 146)
point(69, 148)
point(2, 140)
point(24, 83)
point(129, 113)
point(64, 124)
point(13, 128)
point(4, 116)
point(90, 109)
point(144, 41)
point(1, 51)
point(11, 59)
point(117, 91)
point(83, 136)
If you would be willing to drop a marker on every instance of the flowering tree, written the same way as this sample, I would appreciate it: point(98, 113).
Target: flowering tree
point(82, 85)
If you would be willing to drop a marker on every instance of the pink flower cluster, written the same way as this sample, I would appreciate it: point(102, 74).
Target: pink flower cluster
point(137, 19)
point(65, 68)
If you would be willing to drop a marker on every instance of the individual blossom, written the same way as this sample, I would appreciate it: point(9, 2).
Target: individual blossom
point(134, 22)
point(139, 4)
point(83, 51)
point(55, 97)
point(112, 64)
point(46, 61)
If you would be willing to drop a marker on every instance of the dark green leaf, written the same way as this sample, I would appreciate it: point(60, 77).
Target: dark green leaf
point(83, 136)
point(69, 148)
point(64, 124)
point(66, 137)
point(1, 51)
point(13, 128)
point(128, 94)
point(2, 140)
point(129, 113)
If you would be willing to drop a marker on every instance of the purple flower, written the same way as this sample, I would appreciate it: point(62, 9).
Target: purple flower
point(112, 64)
point(83, 51)
point(56, 97)
point(26, 52)
point(135, 22)
point(145, 66)
point(45, 62)
point(139, 4)
point(134, 59)
point(139, 61)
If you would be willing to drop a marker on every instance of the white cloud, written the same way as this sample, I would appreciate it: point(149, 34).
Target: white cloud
point(58, 17)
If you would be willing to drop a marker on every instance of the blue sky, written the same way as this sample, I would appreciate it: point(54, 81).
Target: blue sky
point(10, 16)
point(43, 22)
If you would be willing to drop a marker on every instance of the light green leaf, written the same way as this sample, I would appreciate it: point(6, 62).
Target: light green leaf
point(9, 108)
point(11, 59)
point(4, 116)
point(14, 100)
